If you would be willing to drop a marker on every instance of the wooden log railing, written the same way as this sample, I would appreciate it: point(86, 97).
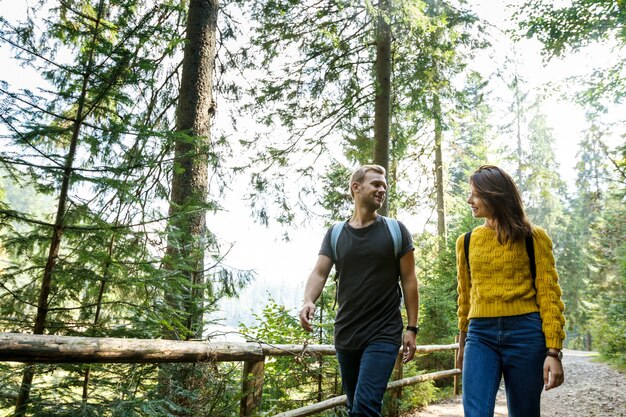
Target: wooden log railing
point(29, 348)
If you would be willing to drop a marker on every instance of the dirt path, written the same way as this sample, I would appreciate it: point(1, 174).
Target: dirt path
point(590, 389)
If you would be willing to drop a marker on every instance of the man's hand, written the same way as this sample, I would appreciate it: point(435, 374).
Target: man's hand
point(408, 346)
point(313, 289)
point(306, 316)
point(553, 374)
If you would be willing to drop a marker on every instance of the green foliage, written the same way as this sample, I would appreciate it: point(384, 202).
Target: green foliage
point(87, 156)
point(608, 282)
point(294, 381)
point(317, 84)
point(413, 396)
point(123, 390)
point(542, 188)
point(337, 200)
point(438, 291)
point(591, 257)
point(473, 135)
point(571, 27)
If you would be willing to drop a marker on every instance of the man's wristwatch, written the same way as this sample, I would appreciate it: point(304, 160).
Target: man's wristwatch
point(414, 329)
point(558, 355)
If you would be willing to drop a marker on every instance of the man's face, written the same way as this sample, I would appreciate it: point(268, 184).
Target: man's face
point(372, 191)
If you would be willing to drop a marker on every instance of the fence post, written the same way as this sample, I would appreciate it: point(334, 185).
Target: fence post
point(456, 377)
point(396, 394)
point(252, 386)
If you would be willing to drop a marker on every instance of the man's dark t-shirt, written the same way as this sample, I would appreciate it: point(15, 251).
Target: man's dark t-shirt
point(368, 289)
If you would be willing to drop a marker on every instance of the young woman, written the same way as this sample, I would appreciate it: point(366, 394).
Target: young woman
point(510, 324)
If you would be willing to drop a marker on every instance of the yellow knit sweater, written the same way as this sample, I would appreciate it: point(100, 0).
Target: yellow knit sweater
point(501, 282)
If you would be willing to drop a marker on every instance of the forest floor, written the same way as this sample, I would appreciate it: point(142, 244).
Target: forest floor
point(591, 389)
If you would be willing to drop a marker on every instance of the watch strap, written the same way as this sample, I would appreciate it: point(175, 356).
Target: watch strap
point(558, 355)
point(414, 329)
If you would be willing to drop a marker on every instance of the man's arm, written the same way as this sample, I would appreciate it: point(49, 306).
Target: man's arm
point(411, 303)
point(313, 289)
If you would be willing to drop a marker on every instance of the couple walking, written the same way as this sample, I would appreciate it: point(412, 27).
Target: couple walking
point(510, 313)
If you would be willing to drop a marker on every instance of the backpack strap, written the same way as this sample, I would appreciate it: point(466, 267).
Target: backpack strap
point(396, 235)
point(530, 250)
point(334, 237)
point(466, 242)
point(392, 225)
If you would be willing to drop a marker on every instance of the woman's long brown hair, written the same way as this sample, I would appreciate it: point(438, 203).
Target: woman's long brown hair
point(499, 192)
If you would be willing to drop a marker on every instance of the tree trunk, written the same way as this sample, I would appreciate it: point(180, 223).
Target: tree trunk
point(185, 250)
point(382, 103)
point(442, 232)
point(186, 244)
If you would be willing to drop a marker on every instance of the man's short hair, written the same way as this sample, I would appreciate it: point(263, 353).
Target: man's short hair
point(359, 174)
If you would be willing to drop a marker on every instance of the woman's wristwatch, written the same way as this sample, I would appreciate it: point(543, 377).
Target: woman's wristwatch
point(558, 355)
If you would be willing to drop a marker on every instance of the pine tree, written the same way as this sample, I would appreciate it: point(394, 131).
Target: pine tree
point(562, 29)
point(577, 261)
point(78, 138)
point(327, 75)
point(94, 139)
point(543, 189)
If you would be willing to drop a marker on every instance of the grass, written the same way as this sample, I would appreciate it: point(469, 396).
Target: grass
point(617, 363)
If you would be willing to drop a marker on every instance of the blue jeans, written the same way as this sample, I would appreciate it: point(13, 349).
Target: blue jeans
point(511, 346)
point(364, 375)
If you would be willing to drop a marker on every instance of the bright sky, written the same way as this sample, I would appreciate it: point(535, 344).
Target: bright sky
point(277, 262)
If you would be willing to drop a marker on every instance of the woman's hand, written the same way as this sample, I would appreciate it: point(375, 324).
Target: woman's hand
point(553, 374)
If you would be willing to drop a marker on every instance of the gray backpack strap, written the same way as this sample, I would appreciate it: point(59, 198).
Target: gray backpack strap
point(334, 237)
point(396, 235)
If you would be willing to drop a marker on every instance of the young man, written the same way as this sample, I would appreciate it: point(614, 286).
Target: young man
point(368, 325)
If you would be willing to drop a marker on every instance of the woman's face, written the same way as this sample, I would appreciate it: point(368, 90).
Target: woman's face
point(479, 207)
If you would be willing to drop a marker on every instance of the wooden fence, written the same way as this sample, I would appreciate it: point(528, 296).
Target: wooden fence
point(28, 348)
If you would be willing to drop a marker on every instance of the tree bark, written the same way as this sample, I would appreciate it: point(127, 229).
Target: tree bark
point(252, 386)
point(382, 103)
point(186, 246)
point(186, 243)
point(18, 347)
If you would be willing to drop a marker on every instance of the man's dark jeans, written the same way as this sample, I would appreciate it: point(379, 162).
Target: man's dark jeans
point(365, 374)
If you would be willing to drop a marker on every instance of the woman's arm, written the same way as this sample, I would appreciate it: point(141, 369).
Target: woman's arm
point(548, 291)
point(463, 285)
point(463, 290)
